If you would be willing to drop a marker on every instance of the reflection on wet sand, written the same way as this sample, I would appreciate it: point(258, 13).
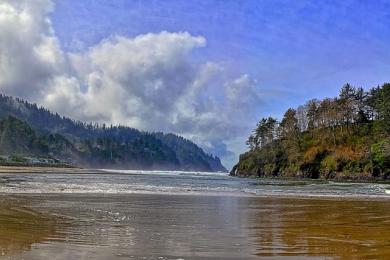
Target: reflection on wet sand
point(138, 226)
point(191, 227)
point(306, 227)
point(21, 227)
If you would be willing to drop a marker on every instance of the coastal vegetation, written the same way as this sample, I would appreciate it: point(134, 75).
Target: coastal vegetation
point(346, 137)
point(32, 135)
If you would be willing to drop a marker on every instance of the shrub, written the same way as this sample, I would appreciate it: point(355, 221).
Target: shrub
point(328, 166)
point(380, 153)
point(18, 158)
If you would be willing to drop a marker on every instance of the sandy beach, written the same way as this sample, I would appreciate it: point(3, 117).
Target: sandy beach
point(190, 227)
point(58, 213)
point(34, 169)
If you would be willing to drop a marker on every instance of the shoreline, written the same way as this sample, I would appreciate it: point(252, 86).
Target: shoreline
point(4, 170)
point(292, 178)
point(41, 169)
point(287, 196)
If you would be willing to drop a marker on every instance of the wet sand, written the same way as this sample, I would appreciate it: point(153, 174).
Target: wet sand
point(69, 226)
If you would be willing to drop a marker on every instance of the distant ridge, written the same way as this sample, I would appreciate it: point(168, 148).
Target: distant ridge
point(29, 130)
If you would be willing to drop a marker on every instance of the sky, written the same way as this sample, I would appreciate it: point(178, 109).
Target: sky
point(206, 70)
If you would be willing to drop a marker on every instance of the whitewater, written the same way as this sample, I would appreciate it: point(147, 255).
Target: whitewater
point(107, 181)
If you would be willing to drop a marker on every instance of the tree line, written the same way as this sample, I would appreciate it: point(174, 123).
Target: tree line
point(34, 130)
point(337, 131)
point(352, 106)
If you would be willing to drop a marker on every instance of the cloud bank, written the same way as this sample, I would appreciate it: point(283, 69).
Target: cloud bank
point(150, 82)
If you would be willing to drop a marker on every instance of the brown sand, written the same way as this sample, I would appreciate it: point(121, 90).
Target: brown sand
point(33, 169)
point(67, 226)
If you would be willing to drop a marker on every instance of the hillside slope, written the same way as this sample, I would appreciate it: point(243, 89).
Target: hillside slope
point(27, 129)
point(347, 137)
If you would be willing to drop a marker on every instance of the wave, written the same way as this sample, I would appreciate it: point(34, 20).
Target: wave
point(105, 188)
point(180, 182)
point(124, 189)
point(172, 173)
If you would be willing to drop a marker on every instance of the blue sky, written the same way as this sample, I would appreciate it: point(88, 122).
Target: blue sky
point(207, 70)
point(306, 47)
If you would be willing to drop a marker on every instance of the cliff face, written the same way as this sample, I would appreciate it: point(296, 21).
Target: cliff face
point(28, 130)
point(347, 137)
point(326, 163)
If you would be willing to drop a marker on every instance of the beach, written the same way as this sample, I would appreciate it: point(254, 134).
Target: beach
point(182, 215)
point(190, 227)
point(37, 169)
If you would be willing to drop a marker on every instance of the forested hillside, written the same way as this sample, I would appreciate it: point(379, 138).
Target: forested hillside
point(29, 130)
point(347, 137)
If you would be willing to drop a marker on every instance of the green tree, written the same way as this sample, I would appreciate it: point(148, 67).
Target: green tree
point(312, 113)
point(346, 103)
point(289, 124)
point(384, 107)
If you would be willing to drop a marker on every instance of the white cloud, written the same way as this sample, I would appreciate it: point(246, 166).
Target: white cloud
point(140, 76)
point(148, 82)
point(29, 51)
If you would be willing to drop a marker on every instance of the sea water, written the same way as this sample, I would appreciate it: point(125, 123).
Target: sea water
point(179, 182)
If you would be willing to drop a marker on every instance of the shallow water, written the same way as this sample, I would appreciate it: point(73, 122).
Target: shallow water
point(203, 183)
point(208, 218)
